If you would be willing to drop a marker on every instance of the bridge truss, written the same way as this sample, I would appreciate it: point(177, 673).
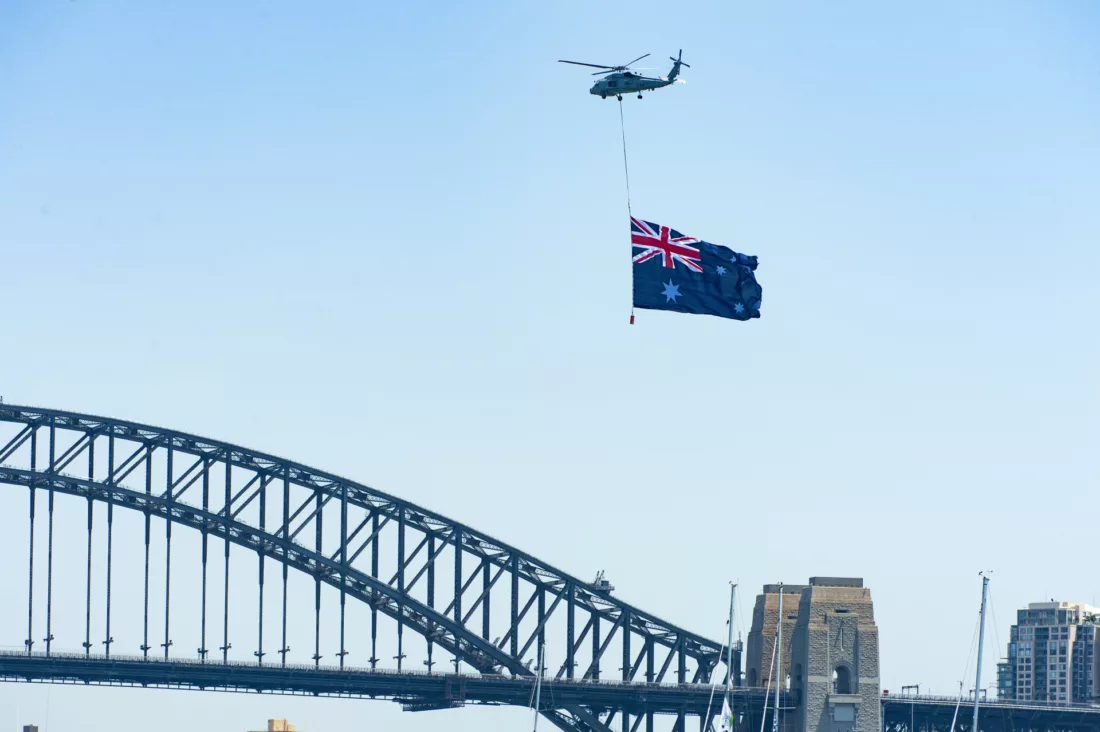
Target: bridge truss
point(419, 585)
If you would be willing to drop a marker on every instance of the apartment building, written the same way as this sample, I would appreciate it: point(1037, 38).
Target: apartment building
point(1053, 655)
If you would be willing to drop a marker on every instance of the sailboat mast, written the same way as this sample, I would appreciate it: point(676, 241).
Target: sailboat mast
point(981, 644)
point(729, 643)
point(778, 662)
point(957, 705)
point(538, 686)
point(729, 668)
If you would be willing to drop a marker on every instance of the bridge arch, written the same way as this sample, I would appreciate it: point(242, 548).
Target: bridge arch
point(42, 449)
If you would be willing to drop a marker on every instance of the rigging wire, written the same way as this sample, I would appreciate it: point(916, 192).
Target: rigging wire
point(767, 691)
point(993, 615)
point(740, 618)
point(996, 630)
point(553, 702)
point(531, 699)
point(973, 646)
point(709, 703)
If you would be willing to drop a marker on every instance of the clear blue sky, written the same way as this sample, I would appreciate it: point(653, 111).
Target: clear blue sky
point(391, 241)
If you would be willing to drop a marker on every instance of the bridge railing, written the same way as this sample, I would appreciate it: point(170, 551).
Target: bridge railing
point(993, 702)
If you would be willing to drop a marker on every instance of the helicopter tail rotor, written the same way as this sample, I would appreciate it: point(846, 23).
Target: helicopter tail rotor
point(676, 64)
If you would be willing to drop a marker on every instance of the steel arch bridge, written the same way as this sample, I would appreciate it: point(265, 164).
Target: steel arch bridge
point(463, 598)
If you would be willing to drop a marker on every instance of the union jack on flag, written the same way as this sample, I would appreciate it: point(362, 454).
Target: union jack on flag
point(661, 241)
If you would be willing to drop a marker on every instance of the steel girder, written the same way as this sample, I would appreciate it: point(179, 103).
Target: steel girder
point(539, 595)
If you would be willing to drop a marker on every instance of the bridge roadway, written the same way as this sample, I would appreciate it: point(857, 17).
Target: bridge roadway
point(420, 691)
point(935, 714)
point(414, 690)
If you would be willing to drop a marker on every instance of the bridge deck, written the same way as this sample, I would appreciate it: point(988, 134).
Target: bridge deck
point(422, 691)
point(935, 714)
point(414, 690)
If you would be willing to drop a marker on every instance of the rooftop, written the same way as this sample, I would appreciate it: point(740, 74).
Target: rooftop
point(836, 581)
point(279, 725)
point(1080, 606)
point(787, 589)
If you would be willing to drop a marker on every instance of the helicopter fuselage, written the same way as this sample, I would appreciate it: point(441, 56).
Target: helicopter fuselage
point(626, 83)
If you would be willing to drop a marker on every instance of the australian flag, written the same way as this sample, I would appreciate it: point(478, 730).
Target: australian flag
point(688, 275)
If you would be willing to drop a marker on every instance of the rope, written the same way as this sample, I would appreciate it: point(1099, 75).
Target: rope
point(626, 172)
point(626, 167)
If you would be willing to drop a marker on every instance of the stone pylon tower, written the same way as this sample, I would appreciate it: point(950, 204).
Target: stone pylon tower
point(761, 641)
point(834, 672)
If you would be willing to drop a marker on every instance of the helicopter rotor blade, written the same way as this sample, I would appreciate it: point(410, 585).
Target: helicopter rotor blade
point(634, 61)
point(581, 63)
point(621, 68)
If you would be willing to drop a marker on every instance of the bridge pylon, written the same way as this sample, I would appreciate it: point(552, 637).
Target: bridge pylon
point(835, 676)
point(830, 662)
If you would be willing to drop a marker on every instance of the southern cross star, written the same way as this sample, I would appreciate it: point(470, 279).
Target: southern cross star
point(671, 291)
point(739, 308)
point(720, 270)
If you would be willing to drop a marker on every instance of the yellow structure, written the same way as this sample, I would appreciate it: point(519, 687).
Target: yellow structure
point(280, 725)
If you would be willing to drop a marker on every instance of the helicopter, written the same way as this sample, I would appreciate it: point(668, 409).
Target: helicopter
point(620, 79)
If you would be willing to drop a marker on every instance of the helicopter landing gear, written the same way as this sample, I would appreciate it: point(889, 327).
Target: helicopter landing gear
point(639, 96)
point(620, 97)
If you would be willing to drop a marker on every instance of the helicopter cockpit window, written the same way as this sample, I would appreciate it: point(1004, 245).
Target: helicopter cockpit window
point(612, 83)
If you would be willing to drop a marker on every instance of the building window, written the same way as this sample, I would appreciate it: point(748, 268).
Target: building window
point(842, 680)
